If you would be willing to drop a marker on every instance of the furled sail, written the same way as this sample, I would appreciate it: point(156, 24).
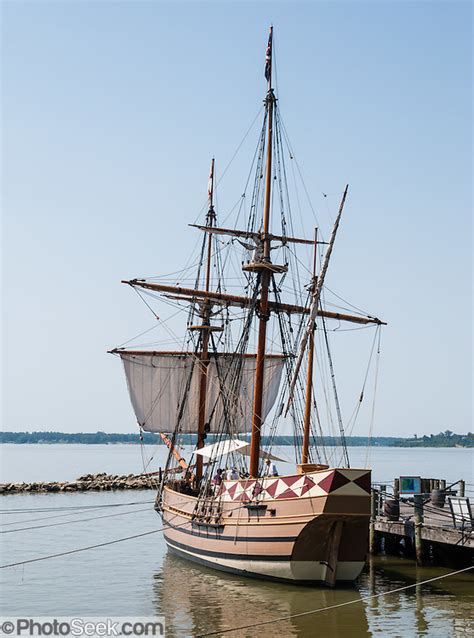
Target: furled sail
point(164, 389)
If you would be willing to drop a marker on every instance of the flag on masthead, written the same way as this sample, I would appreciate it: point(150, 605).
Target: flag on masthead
point(268, 57)
point(210, 184)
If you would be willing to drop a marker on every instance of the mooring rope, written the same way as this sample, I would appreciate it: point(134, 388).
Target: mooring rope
point(106, 543)
point(69, 508)
point(83, 549)
point(349, 602)
point(80, 520)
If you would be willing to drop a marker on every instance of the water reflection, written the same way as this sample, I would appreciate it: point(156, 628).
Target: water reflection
point(197, 600)
point(439, 608)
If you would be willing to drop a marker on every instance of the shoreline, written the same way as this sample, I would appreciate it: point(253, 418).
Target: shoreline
point(284, 444)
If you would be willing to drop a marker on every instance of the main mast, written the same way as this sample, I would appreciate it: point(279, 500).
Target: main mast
point(264, 274)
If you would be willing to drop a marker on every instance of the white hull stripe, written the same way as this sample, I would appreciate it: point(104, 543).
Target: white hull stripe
point(238, 557)
point(310, 571)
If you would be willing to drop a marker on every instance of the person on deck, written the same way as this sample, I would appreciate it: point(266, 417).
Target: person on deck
point(232, 475)
point(217, 480)
point(270, 468)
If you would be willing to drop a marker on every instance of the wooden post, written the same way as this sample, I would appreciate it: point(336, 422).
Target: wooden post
point(396, 488)
point(418, 518)
point(462, 488)
point(372, 575)
point(380, 500)
point(373, 516)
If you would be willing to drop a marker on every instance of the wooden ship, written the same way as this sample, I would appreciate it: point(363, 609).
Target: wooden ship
point(225, 507)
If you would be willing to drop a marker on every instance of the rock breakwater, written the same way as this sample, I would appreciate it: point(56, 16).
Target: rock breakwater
point(88, 482)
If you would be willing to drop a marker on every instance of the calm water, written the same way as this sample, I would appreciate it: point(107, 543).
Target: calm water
point(66, 462)
point(139, 577)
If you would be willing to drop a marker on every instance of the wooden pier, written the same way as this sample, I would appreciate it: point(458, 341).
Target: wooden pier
point(422, 526)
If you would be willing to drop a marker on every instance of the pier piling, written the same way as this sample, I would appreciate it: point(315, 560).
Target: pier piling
point(418, 518)
point(396, 488)
point(373, 516)
point(420, 525)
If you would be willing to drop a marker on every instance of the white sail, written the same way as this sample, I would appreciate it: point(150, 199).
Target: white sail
point(159, 382)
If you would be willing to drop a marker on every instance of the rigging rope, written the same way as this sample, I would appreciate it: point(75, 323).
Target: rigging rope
point(372, 415)
point(353, 419)
point(336, 398)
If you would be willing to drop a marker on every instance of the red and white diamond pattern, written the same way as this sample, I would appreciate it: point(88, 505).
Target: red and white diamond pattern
point(345, 482)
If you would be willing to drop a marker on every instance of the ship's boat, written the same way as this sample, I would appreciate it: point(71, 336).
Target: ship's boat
point(245, 367)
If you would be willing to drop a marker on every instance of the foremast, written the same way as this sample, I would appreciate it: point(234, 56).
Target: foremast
point(205, 327)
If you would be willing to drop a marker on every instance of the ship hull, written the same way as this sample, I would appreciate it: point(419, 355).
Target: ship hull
point(304, 529)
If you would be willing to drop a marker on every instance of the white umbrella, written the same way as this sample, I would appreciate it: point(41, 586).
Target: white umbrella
point(221, 448)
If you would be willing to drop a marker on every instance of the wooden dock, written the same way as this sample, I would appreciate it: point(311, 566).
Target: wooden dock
point(419, 528)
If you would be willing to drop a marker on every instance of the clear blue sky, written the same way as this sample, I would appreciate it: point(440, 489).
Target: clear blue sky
point(111, 112)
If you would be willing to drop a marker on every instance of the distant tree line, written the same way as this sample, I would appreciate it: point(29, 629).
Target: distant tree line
point(93, 438)
point(443, 439)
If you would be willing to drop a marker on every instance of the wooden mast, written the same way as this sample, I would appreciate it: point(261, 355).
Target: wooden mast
point(264, 277)
point(205, 315)
point(309, 379)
